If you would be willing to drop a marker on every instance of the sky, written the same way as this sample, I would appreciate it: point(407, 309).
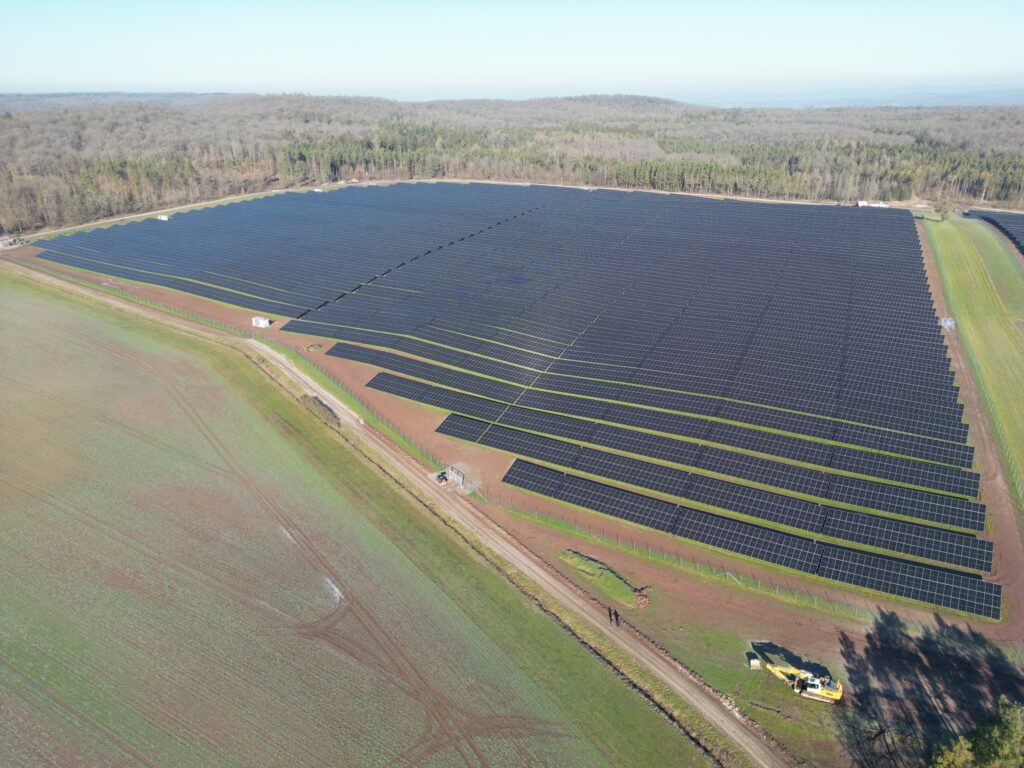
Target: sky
point(704, 52)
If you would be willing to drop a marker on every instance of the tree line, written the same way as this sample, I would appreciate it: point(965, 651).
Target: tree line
point(70, 163)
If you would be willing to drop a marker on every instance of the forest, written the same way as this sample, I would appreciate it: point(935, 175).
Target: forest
point(72, 158)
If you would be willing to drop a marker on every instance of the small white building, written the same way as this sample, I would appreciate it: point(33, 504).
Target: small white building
point(948, 323)
point(261, 322)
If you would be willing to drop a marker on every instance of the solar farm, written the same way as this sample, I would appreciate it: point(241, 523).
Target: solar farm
point(768, 380)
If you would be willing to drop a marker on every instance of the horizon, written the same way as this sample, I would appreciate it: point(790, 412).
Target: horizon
point(458, 50)
point(936, 96)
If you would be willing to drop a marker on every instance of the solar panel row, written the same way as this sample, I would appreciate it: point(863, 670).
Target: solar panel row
point(752, 439)
point(915, 581)
point(907, 471)
point(833, 522)
point(1011, 224)
point(920, 505)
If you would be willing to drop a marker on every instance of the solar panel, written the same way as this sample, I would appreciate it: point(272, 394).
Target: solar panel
point(462, 428)
point(446, 399)
point(1011, 224)
point(527, 444)
point(930, 507)
point(908, 538)
point(833, 522)
point(949, 589)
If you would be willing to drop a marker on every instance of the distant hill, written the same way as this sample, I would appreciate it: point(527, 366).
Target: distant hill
point(28, 102)
point(70, 158)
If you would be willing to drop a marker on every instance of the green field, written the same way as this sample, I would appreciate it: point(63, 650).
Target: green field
point(983, 280)
point(194, 572)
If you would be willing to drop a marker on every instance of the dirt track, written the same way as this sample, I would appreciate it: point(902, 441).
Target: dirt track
point(496, 540)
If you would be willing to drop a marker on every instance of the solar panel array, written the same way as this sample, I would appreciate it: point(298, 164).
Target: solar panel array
point(777, 365)
point(1011, 224)
point(289, 253)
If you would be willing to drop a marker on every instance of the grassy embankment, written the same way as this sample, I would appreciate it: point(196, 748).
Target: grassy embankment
point(983, 280)
point(605, 580)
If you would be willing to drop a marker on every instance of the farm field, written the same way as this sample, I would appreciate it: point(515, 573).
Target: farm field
point(193, 575)
point(734, 374)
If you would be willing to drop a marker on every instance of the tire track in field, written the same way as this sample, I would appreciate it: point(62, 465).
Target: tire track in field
point(115, 534)
point(77, 715)
point(44, 757)
point(449, 724)
point(138, 546)
point(144, 437)
point(458, 725)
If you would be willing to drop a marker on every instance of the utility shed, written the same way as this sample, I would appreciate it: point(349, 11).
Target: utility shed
point(261, 322)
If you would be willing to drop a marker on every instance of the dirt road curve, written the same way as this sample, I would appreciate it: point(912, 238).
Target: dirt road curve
point(497, 540)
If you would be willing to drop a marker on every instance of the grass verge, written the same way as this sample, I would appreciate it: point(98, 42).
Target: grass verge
point(983, 281)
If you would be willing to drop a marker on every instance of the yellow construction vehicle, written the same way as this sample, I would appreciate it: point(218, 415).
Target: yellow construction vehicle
point(808, 684)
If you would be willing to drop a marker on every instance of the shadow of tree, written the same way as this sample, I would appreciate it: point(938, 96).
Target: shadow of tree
point(909, 693)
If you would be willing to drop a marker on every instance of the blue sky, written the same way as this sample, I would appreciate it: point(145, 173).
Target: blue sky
point(450, 49)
